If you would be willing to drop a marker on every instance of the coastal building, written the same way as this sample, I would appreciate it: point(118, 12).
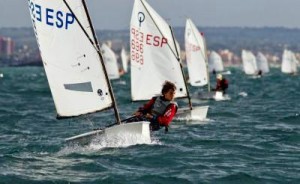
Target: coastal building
point(7, 46)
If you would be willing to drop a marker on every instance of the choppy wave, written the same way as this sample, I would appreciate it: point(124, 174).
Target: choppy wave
point(252, 138)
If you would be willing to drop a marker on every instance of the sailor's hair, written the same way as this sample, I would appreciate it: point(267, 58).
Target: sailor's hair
point(219, 76)
point(167, 86)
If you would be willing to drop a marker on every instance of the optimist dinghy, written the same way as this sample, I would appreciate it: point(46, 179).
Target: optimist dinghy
point(75, 67)
point(155, 58)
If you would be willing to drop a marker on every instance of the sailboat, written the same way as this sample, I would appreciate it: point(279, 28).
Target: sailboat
point(155, 59)
point(75, 67)
point(249, 63)
point(124, 59)
point(196, 56)
point(289, 62)
point(197, 61)
point(262, 63)
point(110, 62)
point(215, 62)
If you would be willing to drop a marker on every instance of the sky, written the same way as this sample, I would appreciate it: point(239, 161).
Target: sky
point(116, 14)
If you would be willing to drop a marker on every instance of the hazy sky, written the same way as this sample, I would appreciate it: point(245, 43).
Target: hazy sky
point(115, 14)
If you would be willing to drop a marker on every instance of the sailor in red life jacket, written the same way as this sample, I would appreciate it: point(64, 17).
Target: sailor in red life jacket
point(159, 110)
point(222, 84)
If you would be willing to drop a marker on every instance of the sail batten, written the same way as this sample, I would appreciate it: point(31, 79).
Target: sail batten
point(154, 57)
point(70, 56)
point(152, 14)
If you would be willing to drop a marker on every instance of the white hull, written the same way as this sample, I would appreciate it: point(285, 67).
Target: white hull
point(198, 113)
point(212, 95)
point(137, 130)
point(219, 96)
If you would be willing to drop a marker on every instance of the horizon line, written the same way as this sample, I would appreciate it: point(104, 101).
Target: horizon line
point(241, 27)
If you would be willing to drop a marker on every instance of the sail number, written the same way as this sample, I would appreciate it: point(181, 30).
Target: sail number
point(137, 46)
point(192, 47)
point(139, 39)
point(51, 17)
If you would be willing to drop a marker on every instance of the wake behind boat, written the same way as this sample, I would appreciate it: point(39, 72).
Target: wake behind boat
point(75, 67)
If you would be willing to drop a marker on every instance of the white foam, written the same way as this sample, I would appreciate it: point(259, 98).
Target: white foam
point(102, 142)
point(243, 94)
point(118, 141)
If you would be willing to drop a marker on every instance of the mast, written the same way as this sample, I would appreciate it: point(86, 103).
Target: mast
point(178, 59)
point(117, 116)
point(206, 61)
point(176, 55)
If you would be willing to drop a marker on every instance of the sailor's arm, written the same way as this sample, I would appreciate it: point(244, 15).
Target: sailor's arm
point(146, 107)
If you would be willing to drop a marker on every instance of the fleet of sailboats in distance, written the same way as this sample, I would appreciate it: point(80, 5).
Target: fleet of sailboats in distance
point(78, 74)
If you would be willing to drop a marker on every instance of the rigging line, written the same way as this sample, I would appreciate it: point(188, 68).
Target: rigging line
point(96, 46)
point(182, 73)
point(90, 121)
point(116, 111)
point(81, 26)
point(176, 56)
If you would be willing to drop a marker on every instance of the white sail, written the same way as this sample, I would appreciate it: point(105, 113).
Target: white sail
point(124, 59)
point(110, 61)
point(195, 55)
point(262, 63)
point(295, 64)
point(154, 57)
point(69, 53)
point(215, 62)
point(289, 62)
point(178, 49)
point(249, 62)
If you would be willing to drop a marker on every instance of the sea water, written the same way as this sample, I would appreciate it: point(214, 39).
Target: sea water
point(252, 138)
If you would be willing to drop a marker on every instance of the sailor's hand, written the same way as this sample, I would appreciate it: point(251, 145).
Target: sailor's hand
point(137, 113)
point(149, 116)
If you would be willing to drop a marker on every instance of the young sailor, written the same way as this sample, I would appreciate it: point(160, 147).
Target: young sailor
point(222, 84)
point(159, 110)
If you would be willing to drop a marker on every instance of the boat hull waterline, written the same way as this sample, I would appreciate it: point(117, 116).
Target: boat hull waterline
point(197, 113)
point(139, 130)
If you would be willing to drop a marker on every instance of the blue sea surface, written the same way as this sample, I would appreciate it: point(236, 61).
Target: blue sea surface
point(252, 138)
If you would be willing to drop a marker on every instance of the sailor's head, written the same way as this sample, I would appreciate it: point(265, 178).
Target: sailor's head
point(219, 76)
point(168, 90)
